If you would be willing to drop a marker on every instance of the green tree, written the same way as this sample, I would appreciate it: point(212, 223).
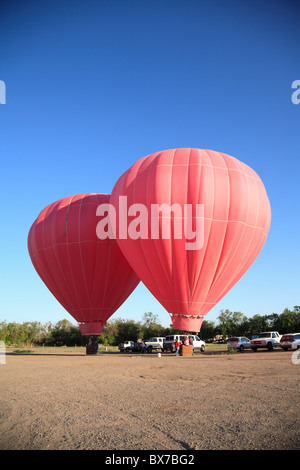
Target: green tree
point(151, 326)
point(258, 323)
point(208, 330)
point(129, 330)
point(273, 322)
point(110, 334)
point(290, 321)
point(230, 322)
point(62, 332)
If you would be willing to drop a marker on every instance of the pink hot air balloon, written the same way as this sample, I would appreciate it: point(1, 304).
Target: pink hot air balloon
point(208, 218)
point(90, 277)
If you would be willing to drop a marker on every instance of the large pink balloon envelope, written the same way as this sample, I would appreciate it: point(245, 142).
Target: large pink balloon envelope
point(89, 276)
point(224, 213)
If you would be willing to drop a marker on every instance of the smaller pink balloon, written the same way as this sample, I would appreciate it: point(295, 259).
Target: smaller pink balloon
point(90, 277)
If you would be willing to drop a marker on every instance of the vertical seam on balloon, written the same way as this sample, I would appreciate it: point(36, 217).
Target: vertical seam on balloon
point(124, 251)
point(208, 235)
point(107, 269)
point(135, 280)
point(96, 255)
point(54, 212)
point(188, 253)
point(226, 230)
point(66, 223)
point(70, 266)
point(153, 240)
point(254, 249)
point(170, 204)
point(141, 246)
point(253, 231)
point(38, 262)
point(195, 283)
point(56, 285)
point(34, 253)
point(80, 252)
point(95, 260)
point(237, 270)
point(123, 284)
point(226, 289)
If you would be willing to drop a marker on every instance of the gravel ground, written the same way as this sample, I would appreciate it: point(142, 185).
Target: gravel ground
point(131, 402)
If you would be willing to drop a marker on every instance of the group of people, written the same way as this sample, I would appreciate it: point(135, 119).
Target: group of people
point(187, 341)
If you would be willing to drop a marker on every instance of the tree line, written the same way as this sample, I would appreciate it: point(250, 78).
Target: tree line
point(118, 330)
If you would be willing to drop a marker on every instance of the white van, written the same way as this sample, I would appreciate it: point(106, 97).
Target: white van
point(169, 342)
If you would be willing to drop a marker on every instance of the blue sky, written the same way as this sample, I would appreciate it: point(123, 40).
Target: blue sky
point(93, 86)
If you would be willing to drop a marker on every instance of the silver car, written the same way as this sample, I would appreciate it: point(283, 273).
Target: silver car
point(239, 342)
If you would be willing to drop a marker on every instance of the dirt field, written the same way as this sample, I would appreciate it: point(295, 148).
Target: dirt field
point(115, 402)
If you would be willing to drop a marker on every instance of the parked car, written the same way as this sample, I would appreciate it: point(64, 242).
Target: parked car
point(290, 341)
point(267, 339)
point(156, 343)
point(127, 346)
point(169, 342)
point(239, 342)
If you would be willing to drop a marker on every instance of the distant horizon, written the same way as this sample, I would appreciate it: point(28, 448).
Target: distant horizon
point(113, 318)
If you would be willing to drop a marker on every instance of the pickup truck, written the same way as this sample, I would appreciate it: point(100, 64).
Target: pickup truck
point(267, 339)
point(127, 346)
point(156, 343)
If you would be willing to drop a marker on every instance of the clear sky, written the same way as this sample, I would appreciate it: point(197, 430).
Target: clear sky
point(92, 86)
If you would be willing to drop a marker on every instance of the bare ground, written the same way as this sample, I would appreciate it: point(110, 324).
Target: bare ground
point(131, 402)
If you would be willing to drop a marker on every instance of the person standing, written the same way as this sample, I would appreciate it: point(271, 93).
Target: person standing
point(177, 344)
point(191, 342)
point(143, 347)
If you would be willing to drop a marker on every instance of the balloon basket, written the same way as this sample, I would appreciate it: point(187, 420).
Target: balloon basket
point(186, 350)
point(91, 349)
